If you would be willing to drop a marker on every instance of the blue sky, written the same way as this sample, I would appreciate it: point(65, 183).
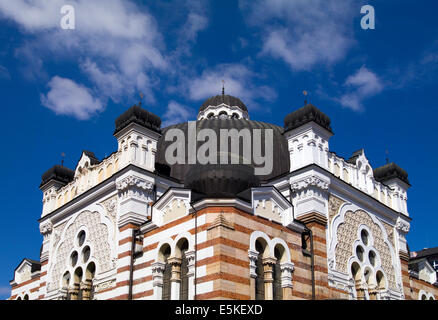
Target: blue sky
point(61, 90)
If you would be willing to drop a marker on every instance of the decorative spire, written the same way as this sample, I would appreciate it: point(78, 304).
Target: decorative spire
point(223, 87)
point(305, 96)
point(141, 98)
point(62, 160)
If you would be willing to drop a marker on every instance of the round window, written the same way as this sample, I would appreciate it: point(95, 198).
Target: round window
point(81, 238)
point(74, 258)
point(364, 237)
point(86, 254)
point(372, 258)
point(359, 253)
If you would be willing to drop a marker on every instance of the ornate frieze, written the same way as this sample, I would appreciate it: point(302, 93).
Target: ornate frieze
point(310, 195)
point(312, 180)
point(134, 181)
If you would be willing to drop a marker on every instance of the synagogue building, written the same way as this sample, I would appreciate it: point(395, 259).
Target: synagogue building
point(141, 225)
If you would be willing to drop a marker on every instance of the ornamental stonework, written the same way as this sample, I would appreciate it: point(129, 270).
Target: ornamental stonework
point(110, 206)
point(334, 204)
point(97, 235)
point(389, 232)
point(347, 234)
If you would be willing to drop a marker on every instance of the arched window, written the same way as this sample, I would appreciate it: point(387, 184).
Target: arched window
point(89, 278)
point(184, 287)
point(26, 297)
point(223, 115)
point(278, 291)
point(77, 292)
point(260, 280)
point(65, 284)
point(357, 276)
point(167, 272)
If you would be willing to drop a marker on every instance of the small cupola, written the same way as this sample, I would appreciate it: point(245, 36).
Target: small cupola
point(223, 106)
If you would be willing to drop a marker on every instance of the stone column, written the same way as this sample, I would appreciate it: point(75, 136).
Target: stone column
point(268, 269)
point(360, 291)
point(175, 279)
point(253, 255)
point(191, 273)
point(287, 268)
point(157, 279)
point(372, 292)
point(86, 289)
point(74, 291)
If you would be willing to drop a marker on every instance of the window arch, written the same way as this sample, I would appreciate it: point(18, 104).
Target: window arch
point(165, 253)
point(261, 247)
point(182, 247)
point(77, 281)
point(278, 290)
point(270, 268)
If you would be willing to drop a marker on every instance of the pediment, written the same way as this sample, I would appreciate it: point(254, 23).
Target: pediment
point(172, 205)
point(270, 204)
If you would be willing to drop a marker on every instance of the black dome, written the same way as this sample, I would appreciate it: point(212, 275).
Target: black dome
point(390, 171)
point(58, 173)
point(220, 181)
point(281, 162)
point(223, 98)
point(304, 115)
point(140, 116)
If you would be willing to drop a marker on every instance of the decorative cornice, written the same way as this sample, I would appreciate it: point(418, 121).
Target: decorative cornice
point(310, 181)
point(134, 181)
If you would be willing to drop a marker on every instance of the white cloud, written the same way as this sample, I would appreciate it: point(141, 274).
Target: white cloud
point(177, 113)
point(116, 43)
point(303, 33)
point(66, 97)
point(362, 85)
point(238, 82)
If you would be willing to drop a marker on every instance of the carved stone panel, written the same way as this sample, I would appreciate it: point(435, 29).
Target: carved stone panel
point(347, 234)
point(97, 235)
point(334, 204)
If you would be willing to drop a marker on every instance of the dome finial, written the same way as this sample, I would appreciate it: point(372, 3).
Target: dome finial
point(223, 87)
point(305, 95)
point(141, 98)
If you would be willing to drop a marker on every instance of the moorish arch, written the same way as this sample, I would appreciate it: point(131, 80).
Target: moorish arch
point(173, 269)
point(270, 267)
point(361, 255)
point(100, 238)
